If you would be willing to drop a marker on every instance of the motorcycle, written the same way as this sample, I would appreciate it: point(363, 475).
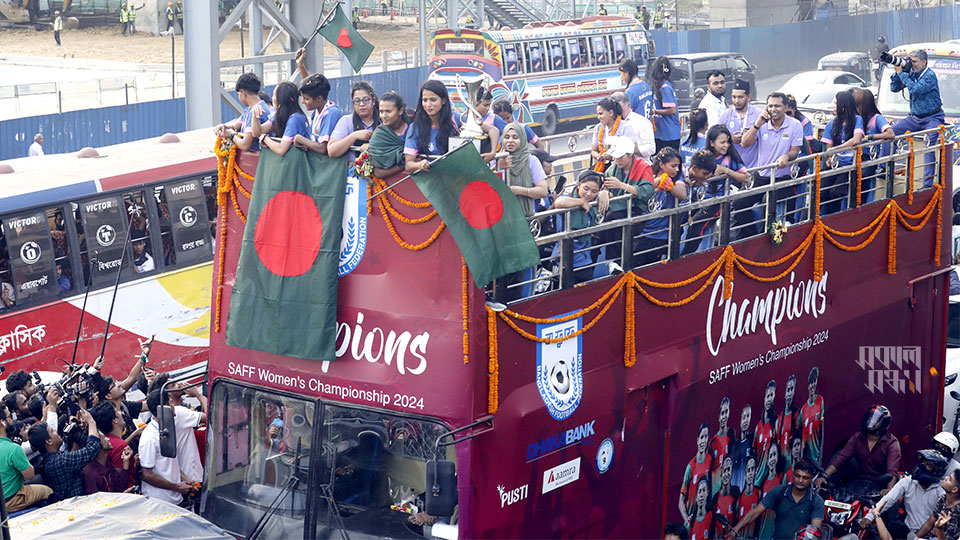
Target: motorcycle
point(843, 509)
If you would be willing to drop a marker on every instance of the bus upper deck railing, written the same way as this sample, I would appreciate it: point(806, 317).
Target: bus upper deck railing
point(738, 215)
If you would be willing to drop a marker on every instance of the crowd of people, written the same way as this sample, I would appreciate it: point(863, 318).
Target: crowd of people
point(82, 435)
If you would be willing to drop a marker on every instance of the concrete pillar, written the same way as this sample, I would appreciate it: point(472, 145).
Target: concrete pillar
point(303, 14)
point(452, 9)
point(422, 19)
point(201, 63)
point(256, 36)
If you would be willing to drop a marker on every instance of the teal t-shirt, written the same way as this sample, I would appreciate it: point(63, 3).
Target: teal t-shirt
point(12, 461)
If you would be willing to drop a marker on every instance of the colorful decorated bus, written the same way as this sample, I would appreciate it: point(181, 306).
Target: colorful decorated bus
point(65, 220)
point(601, 408)
point(552, 73)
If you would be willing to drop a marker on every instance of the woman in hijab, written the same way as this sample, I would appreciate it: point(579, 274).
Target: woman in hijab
point(526, 177)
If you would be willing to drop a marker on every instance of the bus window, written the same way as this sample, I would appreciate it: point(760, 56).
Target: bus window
point(638, 56)
point(210, 192)
point(255, 437)
point(573, 47)
point(166, 231)
point(619, 47)
point(380, 460)
point(511, 61)
point(599, 57)
point(61, 250)
point(106, 221)
point(30, 251)
point(186, 208)
point(8, 298)
point(534, 56)
point(558, 60)
point(141, 247)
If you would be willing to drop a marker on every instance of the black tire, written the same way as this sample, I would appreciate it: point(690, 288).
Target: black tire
point(551, 119)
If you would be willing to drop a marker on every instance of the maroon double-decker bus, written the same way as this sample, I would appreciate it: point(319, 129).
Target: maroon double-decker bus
point(598, 409)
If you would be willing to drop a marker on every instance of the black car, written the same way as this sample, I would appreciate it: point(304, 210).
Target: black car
point(690, 73)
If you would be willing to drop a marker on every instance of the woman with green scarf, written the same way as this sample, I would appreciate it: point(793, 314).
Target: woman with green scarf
point(525, 173)
point(386, 144)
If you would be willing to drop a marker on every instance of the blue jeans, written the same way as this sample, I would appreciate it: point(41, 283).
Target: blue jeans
point(913, 124)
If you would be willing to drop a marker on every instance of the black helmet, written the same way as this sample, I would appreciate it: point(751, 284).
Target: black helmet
point(931, 466)
point(876, 421)
point(882, 39)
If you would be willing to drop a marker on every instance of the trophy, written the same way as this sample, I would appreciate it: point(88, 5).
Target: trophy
point(470, 130)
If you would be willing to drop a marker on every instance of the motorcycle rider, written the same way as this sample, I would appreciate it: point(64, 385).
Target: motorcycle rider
point(875, 452)
point(947, 444)
point(919, 491)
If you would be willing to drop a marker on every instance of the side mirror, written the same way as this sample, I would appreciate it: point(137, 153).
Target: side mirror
point(441, 497)
point(168, 432)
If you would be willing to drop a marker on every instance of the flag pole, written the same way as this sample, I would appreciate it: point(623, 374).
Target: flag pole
point(407, 177)
point(321, 21)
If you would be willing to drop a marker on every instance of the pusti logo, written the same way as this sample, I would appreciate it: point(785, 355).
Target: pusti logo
point(560, 368)
point(514, 495)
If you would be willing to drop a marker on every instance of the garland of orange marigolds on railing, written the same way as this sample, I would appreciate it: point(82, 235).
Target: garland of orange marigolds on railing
point(387, 210)
point(228, 183)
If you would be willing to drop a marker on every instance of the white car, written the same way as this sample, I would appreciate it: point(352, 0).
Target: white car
point(802, 85)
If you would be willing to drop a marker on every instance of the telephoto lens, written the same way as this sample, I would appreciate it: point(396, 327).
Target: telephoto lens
point(901, 61)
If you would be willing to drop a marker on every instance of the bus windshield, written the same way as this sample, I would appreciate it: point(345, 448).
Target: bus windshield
point(948, 75)
point(372, 464)
point(458, 45)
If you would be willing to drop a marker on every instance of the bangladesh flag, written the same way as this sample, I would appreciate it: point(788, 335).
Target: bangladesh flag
point(483, 215)
point(284, 299)
point(345, 37)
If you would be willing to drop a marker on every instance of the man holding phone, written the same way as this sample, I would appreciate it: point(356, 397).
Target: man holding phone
point(739, 118)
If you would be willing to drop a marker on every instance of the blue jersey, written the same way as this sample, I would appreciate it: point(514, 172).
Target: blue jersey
point(578, 220)
point(875, 126)
point(246, 122)
point(717, 188)
point(324, 121)
point(661, 200)
point(296, 125)
point(666, 128)
point(845, 158)
point(687, 150)
point(641, 98)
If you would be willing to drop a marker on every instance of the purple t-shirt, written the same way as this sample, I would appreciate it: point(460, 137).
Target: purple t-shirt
point(344, 128)
point(772, 143)
point(734, 123)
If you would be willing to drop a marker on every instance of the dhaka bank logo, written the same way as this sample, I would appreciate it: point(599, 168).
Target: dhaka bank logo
point(354, 241)
point(560, 368)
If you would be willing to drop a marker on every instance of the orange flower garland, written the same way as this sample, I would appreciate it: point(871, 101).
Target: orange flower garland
point(228, 182)
point(859, 175)
point(630, 329)
point(911, 165)
point(465, 290)
point(601, 166)
point(493, 369)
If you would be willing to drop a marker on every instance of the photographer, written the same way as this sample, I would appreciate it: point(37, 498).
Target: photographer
point(62, 471)
point(926, 108)
point(14, 469)
point(162, 476)
point(20, 381)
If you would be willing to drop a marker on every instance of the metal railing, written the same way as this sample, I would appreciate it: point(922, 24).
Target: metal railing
point(739, 214)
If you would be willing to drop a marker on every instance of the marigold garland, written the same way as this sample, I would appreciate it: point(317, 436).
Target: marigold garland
point(396, 236)
point(630, 329)
point(465, 291)
point(816, 188)
point(228, 183)
point(892, 250)
point(911, 165)
point(859, 175)
point(382, 186)
point(601, 165)
point(493, 369)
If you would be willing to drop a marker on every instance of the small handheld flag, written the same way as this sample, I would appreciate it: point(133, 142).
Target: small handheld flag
point(341, 33)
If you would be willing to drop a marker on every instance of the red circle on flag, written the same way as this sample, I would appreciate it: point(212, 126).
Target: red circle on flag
point(287, 234)
point(481, 205)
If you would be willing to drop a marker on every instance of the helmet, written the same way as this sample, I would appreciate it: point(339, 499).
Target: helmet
point(882, 39)
point(808, 532)
point(876, 420)
point(945, 443)
point(931, 466)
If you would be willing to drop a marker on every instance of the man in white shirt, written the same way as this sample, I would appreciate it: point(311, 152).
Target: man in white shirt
point(188, 454)
point(646, 145)
point(36, 149)
point(713, 101)
point(162, 477)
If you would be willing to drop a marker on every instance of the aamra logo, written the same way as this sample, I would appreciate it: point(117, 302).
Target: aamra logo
point(188, 216)
point(30, 252)
point(354, 241)
point(560, 368)
point(106, 235)
point(561, 475)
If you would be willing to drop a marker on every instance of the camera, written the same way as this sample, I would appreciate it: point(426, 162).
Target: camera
point(75, 432)
point(902, 62)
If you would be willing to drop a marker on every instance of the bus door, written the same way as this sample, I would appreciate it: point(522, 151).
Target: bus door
point(534, 57)
point(558, 60)
point(105, 234)
point(574, 48)
point(599, 46)
point(32, 273)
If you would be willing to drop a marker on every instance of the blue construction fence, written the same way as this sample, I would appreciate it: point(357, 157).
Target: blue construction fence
point(73, 130)
point(786, 48)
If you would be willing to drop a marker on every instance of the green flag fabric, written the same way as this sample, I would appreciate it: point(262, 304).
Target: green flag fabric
point(284, 300)
point(345, 37)
point(484, 216)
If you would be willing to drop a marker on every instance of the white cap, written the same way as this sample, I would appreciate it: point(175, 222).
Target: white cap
point(619, 146)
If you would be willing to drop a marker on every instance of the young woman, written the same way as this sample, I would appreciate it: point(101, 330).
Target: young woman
point(666, 121)
point(652, 245)
point(697, 468)
point(503, 115)
point(433, 125)
point(695, 140)
point(356, 129)
point(725, 501)
point(386, 143)
point(637, 89)
point(286, 122)
point(750, 496)
point(810, 146)
point(701, 520)
point(612, 124)
point(629, 174)
point(844, 130)
point(773, 478)
point(875, 128)
point(582, 216)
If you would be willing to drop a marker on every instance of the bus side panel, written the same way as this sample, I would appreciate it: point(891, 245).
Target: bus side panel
point(574, 95)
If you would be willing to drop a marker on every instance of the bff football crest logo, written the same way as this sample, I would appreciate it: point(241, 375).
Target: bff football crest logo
point(354, 241)
point(560, 368)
